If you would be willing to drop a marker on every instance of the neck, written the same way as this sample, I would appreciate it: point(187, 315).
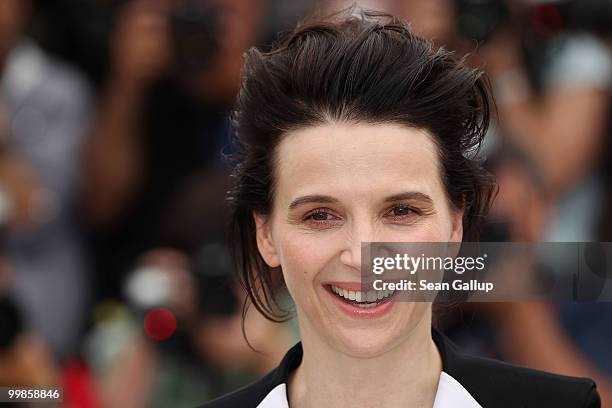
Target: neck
point(406, 375)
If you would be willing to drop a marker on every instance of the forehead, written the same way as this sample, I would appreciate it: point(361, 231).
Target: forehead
point(356, 159)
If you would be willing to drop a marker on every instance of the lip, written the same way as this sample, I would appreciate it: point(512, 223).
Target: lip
point(355, 311)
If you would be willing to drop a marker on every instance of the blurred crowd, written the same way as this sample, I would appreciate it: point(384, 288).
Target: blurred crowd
point(115, 283)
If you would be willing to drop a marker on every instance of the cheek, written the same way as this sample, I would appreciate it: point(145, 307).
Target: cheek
point(303, 256)
point(434, 229)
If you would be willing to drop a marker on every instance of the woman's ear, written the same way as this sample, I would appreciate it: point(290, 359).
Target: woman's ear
point(265, 244)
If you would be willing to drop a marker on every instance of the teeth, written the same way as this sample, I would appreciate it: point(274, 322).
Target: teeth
point(368, 298)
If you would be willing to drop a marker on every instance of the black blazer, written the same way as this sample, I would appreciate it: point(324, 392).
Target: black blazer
point(466, 382)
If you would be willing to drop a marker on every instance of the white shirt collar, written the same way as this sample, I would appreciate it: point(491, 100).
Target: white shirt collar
point(451, 393)
point(277, 398)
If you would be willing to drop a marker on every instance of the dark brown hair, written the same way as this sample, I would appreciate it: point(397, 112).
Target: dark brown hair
point(354, 66)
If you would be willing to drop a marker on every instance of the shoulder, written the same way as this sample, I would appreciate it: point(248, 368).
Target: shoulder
point(267, 391)
point(491, 381)
point(499, 384)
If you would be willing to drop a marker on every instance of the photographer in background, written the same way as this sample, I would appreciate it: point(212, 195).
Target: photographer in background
point(192, 346)
point(174, 69)
point(552, 76)
point(45, 105)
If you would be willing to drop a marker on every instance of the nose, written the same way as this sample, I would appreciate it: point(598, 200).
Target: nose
point(358, 234)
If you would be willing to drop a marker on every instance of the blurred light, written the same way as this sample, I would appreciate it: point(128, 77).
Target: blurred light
point(547, 20)
point(148, 286)
point(160, 324)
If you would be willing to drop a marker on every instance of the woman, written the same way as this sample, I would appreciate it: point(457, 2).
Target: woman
point(355, 130)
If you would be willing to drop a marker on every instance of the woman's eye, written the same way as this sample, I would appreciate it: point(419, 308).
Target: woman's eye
point(321, 216)
point(401, 211)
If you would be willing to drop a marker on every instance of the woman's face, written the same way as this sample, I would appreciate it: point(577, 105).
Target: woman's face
point(338, 185)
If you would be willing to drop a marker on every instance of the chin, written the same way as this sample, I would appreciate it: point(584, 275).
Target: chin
point(363, 343)
point(369, 339)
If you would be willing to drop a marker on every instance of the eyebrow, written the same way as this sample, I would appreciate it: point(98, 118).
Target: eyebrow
point(318, 198)
point(409, 195)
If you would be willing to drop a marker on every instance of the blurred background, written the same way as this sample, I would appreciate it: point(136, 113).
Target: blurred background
point(115, 283)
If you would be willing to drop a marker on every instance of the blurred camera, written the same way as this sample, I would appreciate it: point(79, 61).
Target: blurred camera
point(215, 281)
point(479, 19)
point(150, 286)
point(588, 15)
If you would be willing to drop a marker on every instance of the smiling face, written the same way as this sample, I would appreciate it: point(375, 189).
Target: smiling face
point(338, 185)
